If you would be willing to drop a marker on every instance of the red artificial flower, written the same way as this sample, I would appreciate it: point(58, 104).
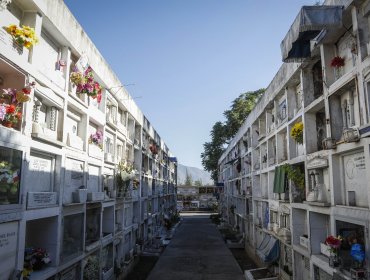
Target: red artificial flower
point(10, 109)
point(333, 242)
point(26, 90)
point(337, 62)
point(19, 115)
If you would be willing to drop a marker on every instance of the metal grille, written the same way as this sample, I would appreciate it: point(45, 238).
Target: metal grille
point(321, 274)
point(307, 264)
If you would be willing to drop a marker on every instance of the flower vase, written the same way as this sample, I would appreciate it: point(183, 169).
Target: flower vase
point(7, 124)
point(334, 260)
point(338, 72)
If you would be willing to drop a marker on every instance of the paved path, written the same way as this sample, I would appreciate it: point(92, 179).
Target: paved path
point(197, 252)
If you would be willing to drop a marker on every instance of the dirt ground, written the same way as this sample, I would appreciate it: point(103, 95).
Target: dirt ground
point(244, 261)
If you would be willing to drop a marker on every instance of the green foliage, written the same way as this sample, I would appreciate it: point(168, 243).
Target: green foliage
point(239, 111)
point(188, 179)
point(295, 174)
point(213, 150)
point(222, 133)
point(198, 183)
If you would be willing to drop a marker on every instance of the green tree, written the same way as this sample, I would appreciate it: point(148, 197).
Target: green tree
point(239, 111)
point(222, 133)
point(213, 150)
point(198, 183)
point(188, 179)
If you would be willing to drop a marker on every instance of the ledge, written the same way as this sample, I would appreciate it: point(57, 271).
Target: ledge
point(317, 203)
point(44, 138)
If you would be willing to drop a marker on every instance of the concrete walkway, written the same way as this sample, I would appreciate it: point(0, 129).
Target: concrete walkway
point(197, 252)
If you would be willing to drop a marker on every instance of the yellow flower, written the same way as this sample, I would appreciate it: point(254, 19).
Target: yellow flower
point(27, 44)
point(297, 132)
point(24, 36)
point(12, 29)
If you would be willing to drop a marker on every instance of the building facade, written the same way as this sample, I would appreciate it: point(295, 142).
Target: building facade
point(297, 171)
point(85, 179)
point(197, 197)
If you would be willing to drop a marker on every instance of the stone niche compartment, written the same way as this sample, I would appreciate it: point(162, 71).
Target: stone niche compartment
point(107, 261)
point(93, 224)
point(73, 229)
point(355, 183)
point(42, 174)
point(318, 180)
point(300, 232)
point(74, 178)
point(282, 151)
point(315, 126)
point(94, 183)
point(319, 231)
point(108, 221)
point(95, 150)
point(75, 126)
point(295, 149)
point(47, 239)
point(91, 266)
point(10, 176)
point(73, 272)
point(344, 111)
point(8, 244)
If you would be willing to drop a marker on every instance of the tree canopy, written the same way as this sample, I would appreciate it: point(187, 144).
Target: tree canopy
point(223, 132)
point(188, 179)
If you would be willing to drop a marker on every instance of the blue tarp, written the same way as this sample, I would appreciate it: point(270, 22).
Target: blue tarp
point(269, 249)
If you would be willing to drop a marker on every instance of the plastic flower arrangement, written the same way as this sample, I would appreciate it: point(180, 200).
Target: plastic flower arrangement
point(97, 139)
point(10, 104)
point(35, 259)
point(337, 62)
point(126, 171)
point(334, 243)
point(153, 148)
point(9, 178)
point(297, 132)
point(86, 84)
point(24, 36)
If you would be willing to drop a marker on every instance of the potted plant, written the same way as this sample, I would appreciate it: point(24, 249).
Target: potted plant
point(297, 177)
point(334, 245)
point(91, 269)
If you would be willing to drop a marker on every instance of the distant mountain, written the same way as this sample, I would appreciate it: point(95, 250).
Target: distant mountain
point(195, 173)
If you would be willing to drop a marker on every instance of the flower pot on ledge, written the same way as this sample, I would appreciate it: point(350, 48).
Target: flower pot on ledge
point(325, 249)
point(329, 143)
point(95, 196)
point(95, 151)
point(7, 124)
point(334, 260)
point(304, 242)
point(80, 196)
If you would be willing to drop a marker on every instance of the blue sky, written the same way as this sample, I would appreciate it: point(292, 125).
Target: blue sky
point(188, 59)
